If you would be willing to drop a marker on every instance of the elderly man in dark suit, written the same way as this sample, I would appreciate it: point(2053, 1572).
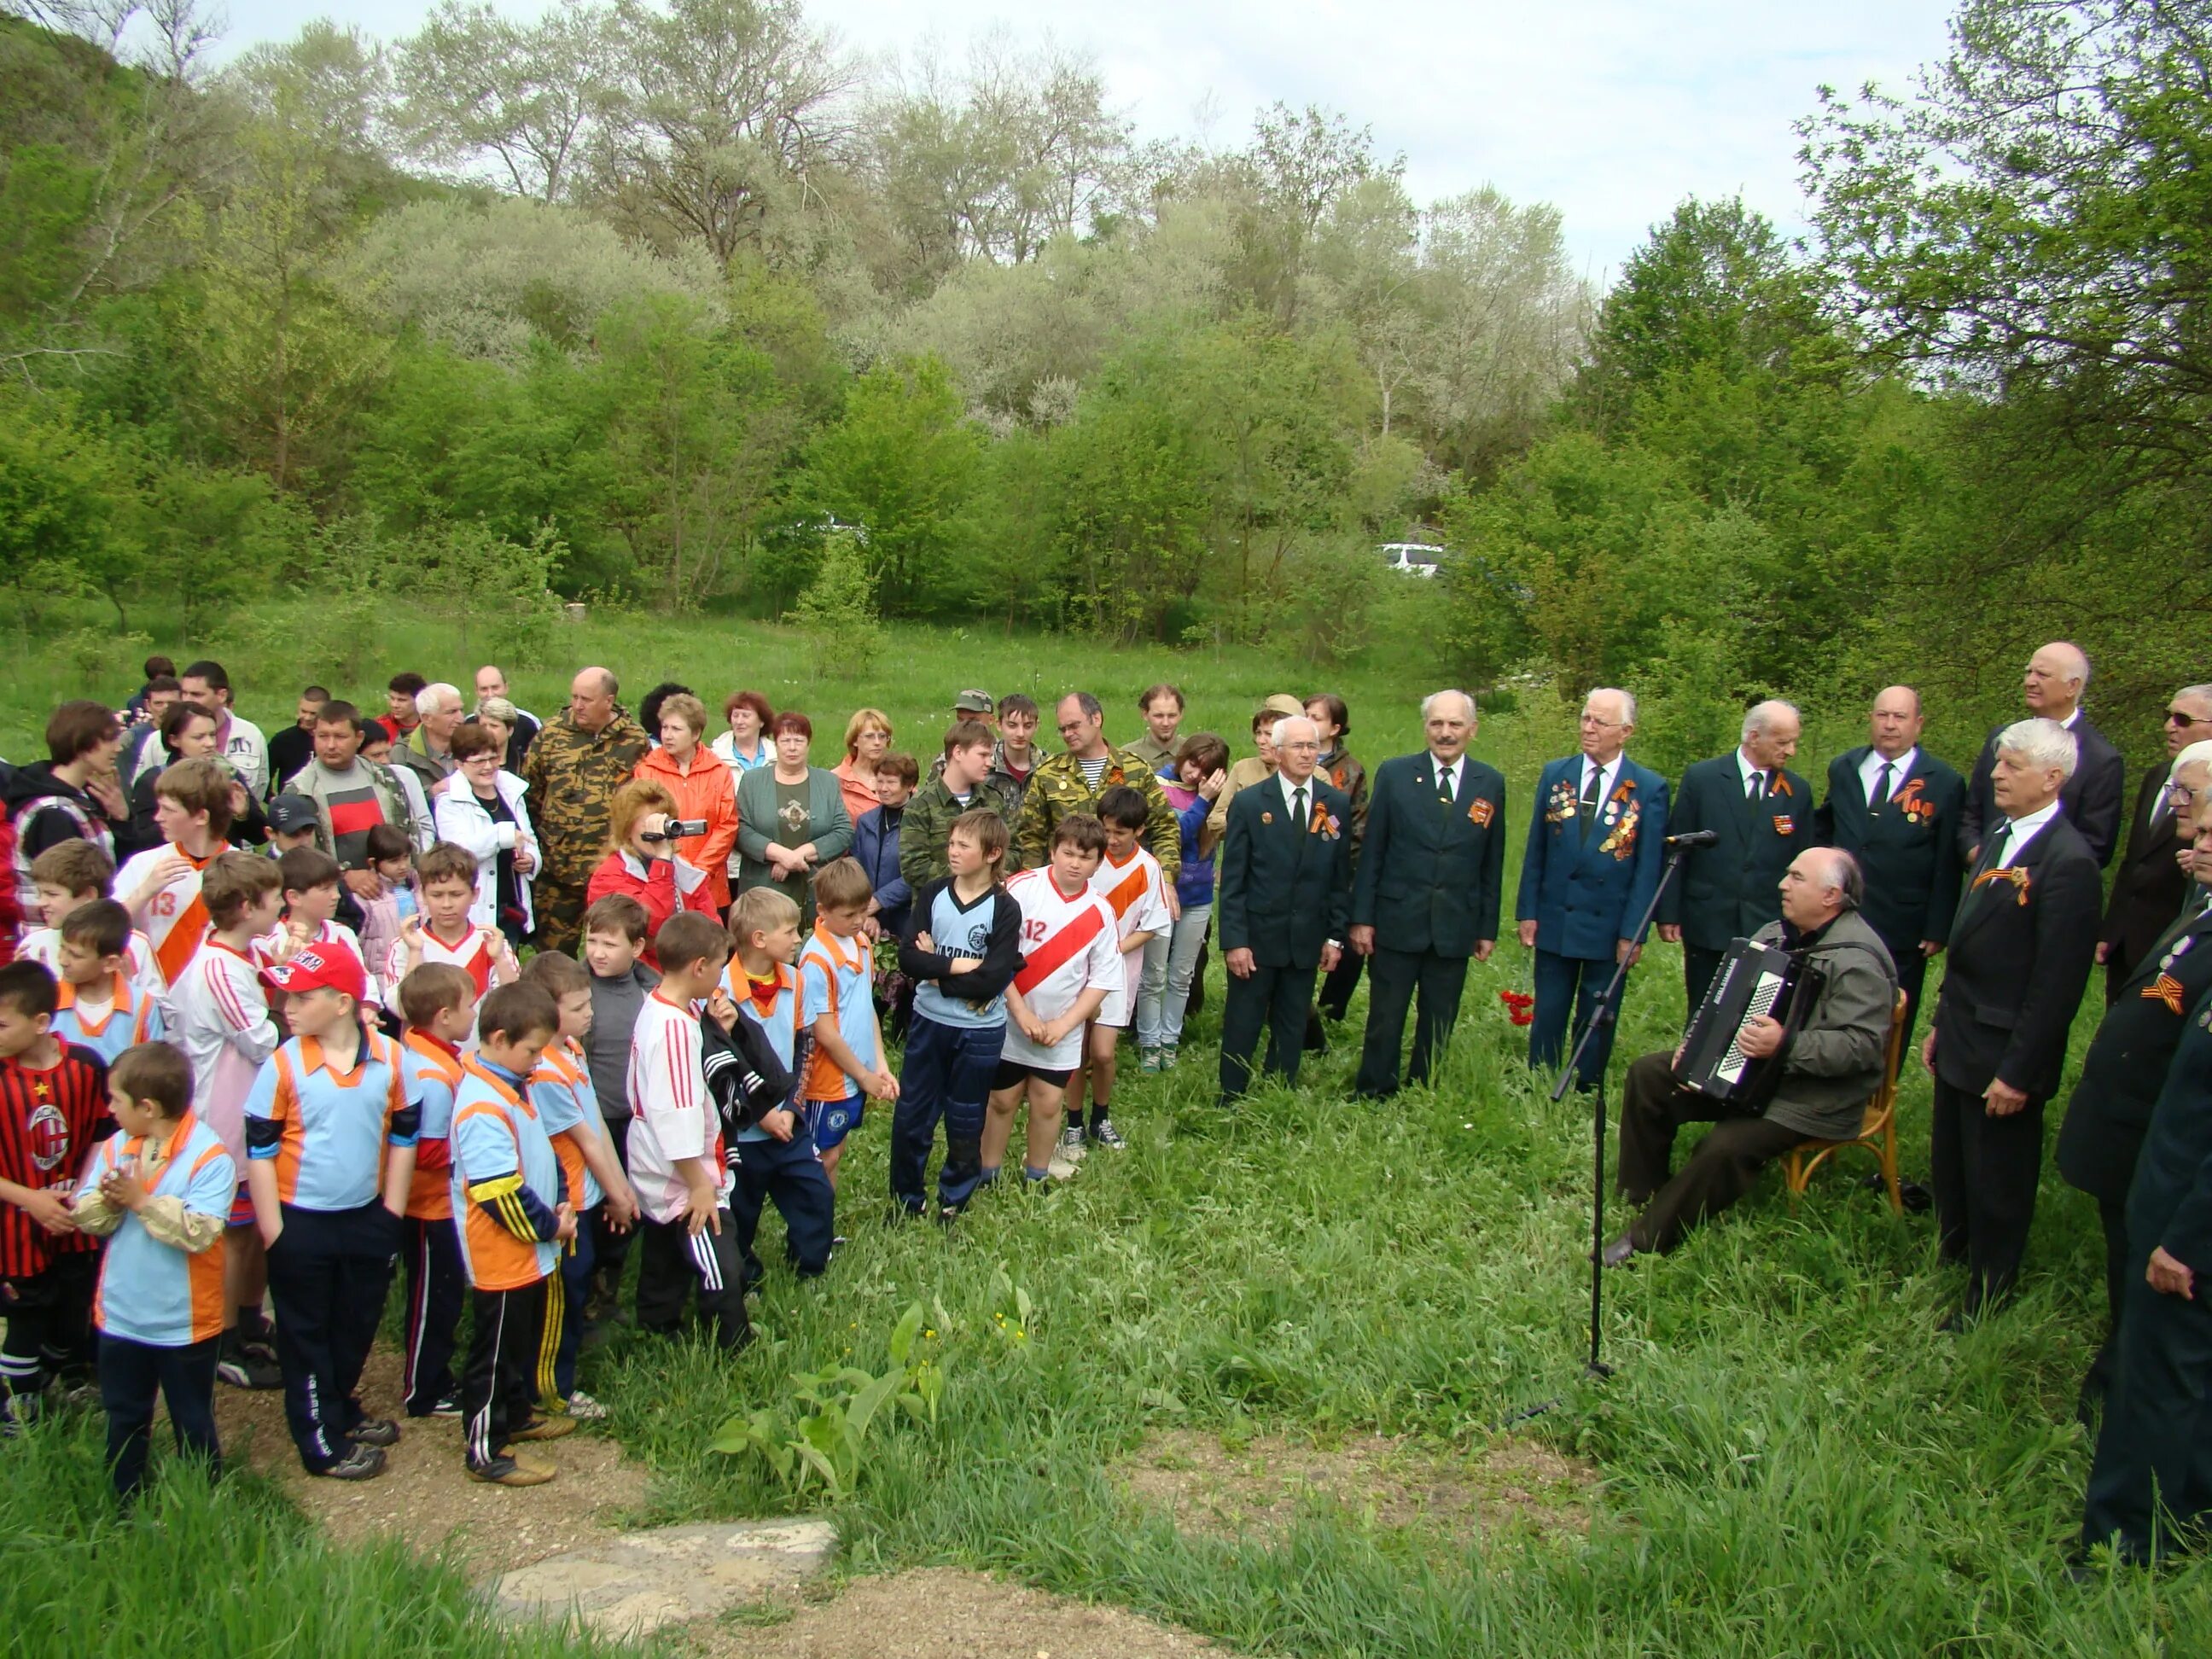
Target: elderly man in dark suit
point(1596, 841)
point(2021, 949)
point(2151, 882)
point(2126, 1066)
point(1428, 888)
point(1286, 899)
point(1762, 813)
point(2057, 675)
point(1895, 807)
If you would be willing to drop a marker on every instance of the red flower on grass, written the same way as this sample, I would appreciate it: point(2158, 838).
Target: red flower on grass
point(1520, 1006)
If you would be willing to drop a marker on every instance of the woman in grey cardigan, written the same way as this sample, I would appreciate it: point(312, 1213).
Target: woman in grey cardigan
point(790, 818)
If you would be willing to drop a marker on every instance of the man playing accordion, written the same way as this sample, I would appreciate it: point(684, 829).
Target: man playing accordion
point(1830, 1065)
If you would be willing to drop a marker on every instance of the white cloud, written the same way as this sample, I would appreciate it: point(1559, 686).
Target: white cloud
point(1612, 111)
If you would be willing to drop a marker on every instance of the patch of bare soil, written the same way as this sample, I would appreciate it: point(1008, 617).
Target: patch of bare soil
point(1264, 1485)
point(942, 1613)
point(425, 1495)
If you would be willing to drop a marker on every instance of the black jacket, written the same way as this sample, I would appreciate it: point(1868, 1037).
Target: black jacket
point(745, 1078)
point(2090, 799)
point(1431, 878)
point(1907, 848)
point(1286, 886)
point(1732, 889)
point(2127, 1061)
point(2148, 888)
point(993, 938)
point(2020, 952)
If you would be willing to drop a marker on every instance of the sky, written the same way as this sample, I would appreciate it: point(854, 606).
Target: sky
point(1611, 111)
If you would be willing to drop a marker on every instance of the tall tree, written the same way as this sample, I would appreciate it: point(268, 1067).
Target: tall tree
point(484, 94)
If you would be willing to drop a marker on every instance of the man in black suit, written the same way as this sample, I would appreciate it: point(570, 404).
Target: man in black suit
point(1763, 814)
point(2126, 1066)
point(1285, 897)
point(2020, 950)
point(1894, 807)
point(2152, 882)
point(2057, 675)
point(1428, 888)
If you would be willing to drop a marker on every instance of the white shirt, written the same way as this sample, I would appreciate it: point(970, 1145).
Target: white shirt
point(1746, 770)
point(1061, 964)
point(1870, 771)
point(671, 1117)
point(247, 751)
point(224, 1029)
point(2023, 831)
point(1289, 805)
point(1448, 774)
point(1606, 775)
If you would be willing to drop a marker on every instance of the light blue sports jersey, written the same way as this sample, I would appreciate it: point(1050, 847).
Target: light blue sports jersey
point(837, 974)
point(492, 1139)
point(134, 1017)
point(152, 1292)
point(960, 930)
point(778, 1022)
point(560, 1089)
point(326, 1132)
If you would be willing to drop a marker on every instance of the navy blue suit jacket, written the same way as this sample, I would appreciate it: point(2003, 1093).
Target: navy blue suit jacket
point(1585, 893)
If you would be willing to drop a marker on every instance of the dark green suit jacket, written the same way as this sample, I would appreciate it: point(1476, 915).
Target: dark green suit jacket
point(1286, 887)
point(1432, 876)
point(1732, 889)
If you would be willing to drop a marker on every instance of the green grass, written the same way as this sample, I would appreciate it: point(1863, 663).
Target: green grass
point(1794, 1461)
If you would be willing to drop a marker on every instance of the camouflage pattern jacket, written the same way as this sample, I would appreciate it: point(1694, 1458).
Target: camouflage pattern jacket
point(573, 775)
point(1057, 789)
point(928, 821)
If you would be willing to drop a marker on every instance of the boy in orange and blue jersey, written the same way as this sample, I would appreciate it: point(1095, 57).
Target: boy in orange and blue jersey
point(439, 1003)
point(329, 1147)
point(160, 1192)
point(513, 1218)
point(98, 1005)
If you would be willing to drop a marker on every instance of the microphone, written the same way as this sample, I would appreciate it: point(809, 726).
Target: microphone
point(1694, 838)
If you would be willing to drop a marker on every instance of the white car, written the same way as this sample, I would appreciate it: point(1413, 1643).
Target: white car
point(1412, 558)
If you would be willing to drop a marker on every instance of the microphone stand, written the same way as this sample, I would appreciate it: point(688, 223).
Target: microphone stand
point(1602, 1012)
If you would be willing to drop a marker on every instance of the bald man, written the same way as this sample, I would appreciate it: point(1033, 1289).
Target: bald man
point(2056, 677)
point(1829, 1066)
point(573, 771)
point(1895, 808)
point(1762, 813)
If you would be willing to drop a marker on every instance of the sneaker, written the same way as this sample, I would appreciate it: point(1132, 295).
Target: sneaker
point(1103, 1132)
point(1072, 1146)
point(585, 1409)
point(447, 1406)
point(1148, 1060)
point(375, 1432)
point(18, 1411)
point(241, 1370)
point(504, 1470)
point(544, 1428)
point(1166, 1052)
point(363, 1463)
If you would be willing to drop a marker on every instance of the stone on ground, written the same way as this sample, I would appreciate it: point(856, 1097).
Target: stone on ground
point(636, 1582)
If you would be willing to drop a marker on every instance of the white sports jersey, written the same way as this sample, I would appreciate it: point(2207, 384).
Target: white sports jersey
point(671, 1116)
point(1069, 946)
point(1136, 892)
point(484, 956)
point(266, 947)
point(223, 1024)
point(176, 918)
point(44, 946)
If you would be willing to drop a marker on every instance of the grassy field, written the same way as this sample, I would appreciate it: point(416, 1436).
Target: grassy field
point(1790, 1459)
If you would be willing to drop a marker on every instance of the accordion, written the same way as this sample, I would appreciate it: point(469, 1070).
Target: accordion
point(1754, 982)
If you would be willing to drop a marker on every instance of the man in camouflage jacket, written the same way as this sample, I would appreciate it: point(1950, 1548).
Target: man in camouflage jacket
point(573, 769)
point(1060, 786)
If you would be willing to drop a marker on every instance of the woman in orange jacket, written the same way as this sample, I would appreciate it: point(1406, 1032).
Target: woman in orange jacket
point(702, 787)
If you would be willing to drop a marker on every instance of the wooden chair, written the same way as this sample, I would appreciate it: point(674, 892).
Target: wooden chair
point(1877, 1131)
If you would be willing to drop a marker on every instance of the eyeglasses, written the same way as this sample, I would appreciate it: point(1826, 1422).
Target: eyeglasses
point(2175, 717)
point(1592, 719)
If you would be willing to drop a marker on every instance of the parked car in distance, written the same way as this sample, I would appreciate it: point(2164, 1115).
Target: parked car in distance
point(1412, 558)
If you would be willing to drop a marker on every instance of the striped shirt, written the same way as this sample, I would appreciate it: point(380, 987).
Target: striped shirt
point(223, 1024)
point(483, 954)
point(327, 1130)
point(499, 1151)
point(1069, 946)
point(130, 1015)
point(671, 1118)
point(151, 1291)
point(49, 1117)
point(176, 918)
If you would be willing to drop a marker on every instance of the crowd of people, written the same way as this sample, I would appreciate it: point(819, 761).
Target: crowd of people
point(486, 996)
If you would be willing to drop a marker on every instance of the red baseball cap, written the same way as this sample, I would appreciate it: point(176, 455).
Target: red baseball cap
point(318, 967)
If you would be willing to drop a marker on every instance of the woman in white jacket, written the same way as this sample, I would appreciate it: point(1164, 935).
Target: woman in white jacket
point(481, 810)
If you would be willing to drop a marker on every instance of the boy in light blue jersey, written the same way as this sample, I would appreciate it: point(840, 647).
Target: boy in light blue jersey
point(964, 950)
point(771, 1156)
point(329, 1143)
point(98, 1005)
point(160, 1192)
point(836, 991)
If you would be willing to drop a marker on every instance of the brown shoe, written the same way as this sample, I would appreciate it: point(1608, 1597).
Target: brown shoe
point(544, 1428)
point(510, 1472)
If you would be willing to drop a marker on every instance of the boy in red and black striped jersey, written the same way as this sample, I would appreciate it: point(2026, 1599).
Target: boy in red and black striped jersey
point(53, 1107)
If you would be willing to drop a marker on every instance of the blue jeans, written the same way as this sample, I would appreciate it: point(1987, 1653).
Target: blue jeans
point(1562, 982)
point(788, 1173)
point(1184, 944)
point(947, 1075)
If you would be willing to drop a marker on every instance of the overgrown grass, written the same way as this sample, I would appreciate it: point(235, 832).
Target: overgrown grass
point(1795, 1460)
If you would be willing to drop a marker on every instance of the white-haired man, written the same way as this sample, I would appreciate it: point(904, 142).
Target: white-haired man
point(2021, 949)
point(2153, 879)
point(1763, 814)
point(1830, 1065)
point(1428, 888)
point(2057, 675)
point(428, 751)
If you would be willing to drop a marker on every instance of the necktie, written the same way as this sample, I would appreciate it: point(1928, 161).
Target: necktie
point(1997, 839)
point(1298, 806)
point(2165, 800)
point(1881, 786)
point(1756, 787)
point(1589, 799)
point(1446, 780)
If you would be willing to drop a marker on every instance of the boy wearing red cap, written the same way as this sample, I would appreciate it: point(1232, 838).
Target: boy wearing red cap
point(329, 1147)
